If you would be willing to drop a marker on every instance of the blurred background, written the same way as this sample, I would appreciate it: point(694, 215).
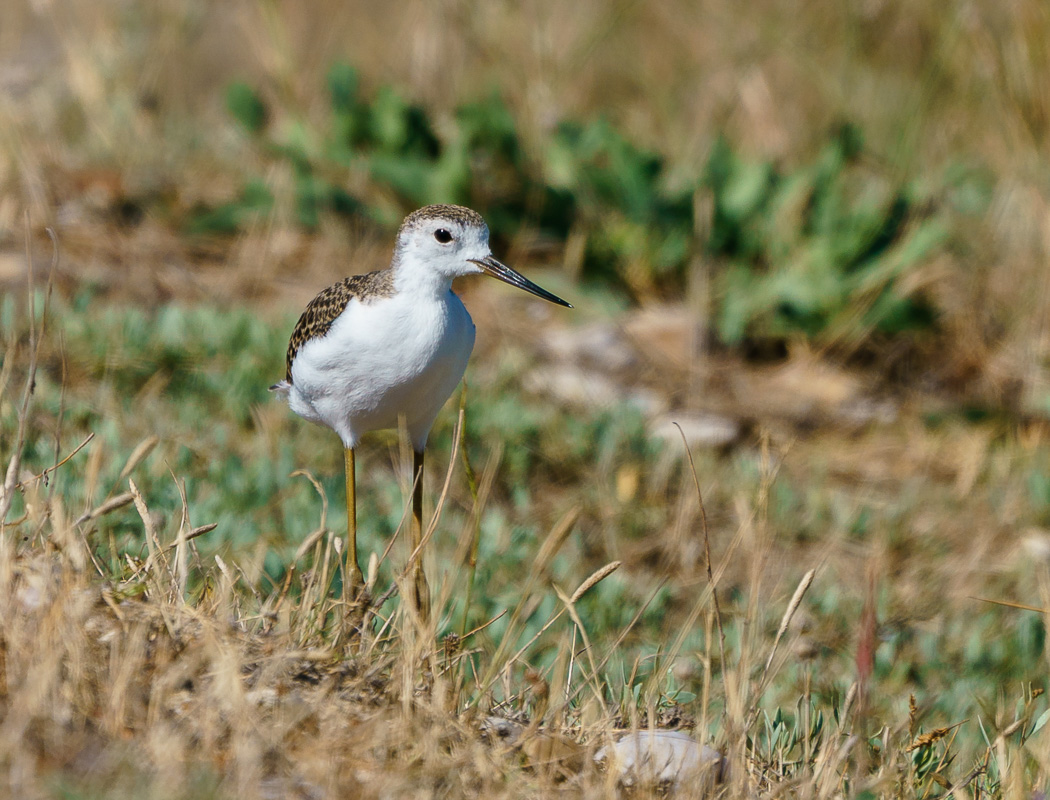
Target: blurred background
point(814, 235)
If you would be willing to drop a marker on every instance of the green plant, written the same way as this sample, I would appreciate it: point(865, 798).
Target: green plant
point(830, 251)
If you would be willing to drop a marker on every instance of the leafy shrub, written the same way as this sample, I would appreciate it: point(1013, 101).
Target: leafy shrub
point(820, 252)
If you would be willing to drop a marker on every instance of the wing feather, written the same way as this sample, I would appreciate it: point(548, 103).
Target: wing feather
point(321, 312)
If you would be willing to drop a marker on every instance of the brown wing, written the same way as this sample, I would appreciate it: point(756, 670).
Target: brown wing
point(322, 311)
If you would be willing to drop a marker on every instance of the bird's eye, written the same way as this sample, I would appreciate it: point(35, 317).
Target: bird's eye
point(443, 236)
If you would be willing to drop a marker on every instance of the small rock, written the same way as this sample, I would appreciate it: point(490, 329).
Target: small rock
point(700, 429)
point(585, 388)
point(573, 386)
point(666, 758)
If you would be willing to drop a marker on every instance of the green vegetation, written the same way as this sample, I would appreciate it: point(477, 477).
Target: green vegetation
point(824, 252)
point(827, 251)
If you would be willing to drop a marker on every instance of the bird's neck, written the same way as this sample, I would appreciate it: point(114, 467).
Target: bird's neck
point(416, 279)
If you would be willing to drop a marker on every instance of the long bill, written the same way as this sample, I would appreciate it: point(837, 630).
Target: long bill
point(499, 270)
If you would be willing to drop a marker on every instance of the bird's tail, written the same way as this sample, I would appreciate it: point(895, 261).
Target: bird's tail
point(281, 386)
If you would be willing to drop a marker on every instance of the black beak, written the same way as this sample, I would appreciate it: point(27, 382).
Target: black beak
point(499, 270)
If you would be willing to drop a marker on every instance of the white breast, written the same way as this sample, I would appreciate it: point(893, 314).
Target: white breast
point(395, 356)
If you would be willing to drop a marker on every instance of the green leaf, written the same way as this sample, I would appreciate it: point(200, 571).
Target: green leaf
point(245, 105)
point(342, 87)
point(409, 177)
point(746, 190)
point(1040, 723)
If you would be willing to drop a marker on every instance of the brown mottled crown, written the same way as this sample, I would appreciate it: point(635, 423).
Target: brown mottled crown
point(323, 310)
point(460, 214)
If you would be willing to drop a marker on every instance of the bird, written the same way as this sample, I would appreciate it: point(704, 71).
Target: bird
point(393, 344)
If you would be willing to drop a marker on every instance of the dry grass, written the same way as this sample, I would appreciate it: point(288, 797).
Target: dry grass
point(138, 688)
point(173, 677)
point(178, 675)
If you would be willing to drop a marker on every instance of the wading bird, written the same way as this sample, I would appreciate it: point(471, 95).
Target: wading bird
point(394, 343)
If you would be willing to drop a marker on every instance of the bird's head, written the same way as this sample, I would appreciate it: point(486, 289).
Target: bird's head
point(446, 241)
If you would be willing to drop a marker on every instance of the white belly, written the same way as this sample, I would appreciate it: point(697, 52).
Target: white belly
point(381, 360)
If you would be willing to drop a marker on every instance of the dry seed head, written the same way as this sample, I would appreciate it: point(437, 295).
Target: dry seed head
point(596, 578)
point(112, 504)
point(555, 539)
point(452, 644)
point(928, 738)
point(138, 455)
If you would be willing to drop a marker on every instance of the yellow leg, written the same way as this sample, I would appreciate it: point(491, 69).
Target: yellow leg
point(355, 579)
point(420, 589)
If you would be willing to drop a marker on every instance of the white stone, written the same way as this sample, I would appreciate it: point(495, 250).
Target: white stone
point(700, 429)
point(661, 757)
